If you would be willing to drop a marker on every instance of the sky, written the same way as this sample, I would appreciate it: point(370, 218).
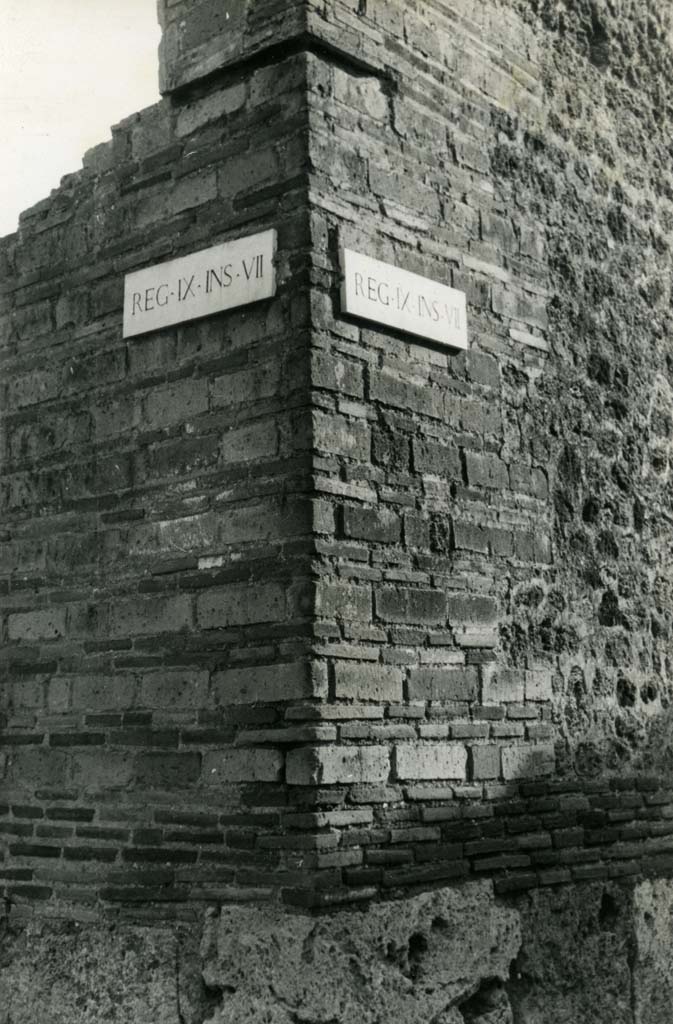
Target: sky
point(69, 70)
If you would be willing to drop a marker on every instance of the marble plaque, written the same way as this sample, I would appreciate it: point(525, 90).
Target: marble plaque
point(397, 298)
point(206, 282)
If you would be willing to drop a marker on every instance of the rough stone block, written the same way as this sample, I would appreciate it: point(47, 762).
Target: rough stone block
point(66, 972)
point(502, 685)
point(436, 459)
point(388, 388)
point(472, 610)
point(244, 387)
point(378, 525)
point(29, 768)
point(335, 374)
point(210, 108)
point(519, 305)
point(484, 761)
point(337, 435)
point(162, 770)
point(443, 684)
point(473, 937)
point(339, 600)
point(97, 693)
point(174, 689)
point(250, 443)
point(193, 190)
point(241, 605)
point(252, 764)
point(406, 604)
point(470, 537)
point(528, 761)
point(176, 403)
point(47, 624)
point(538, 684)
point(486, 470)
point(430, 761)
point(416, 531)
point(141, 616)
point(312, 766)
point(358, 681)
point(101, 771)
point(265, 683)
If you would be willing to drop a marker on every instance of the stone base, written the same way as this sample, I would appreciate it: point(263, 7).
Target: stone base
point(599, 952)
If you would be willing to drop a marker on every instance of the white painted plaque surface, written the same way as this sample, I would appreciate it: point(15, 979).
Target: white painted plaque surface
point(227, 275)
point(411, 303)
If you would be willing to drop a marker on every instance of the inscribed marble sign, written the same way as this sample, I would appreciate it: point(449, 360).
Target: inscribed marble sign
point(397, 298)
point(210, 281)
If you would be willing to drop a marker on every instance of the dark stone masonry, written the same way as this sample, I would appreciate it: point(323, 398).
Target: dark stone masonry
point(336, 663)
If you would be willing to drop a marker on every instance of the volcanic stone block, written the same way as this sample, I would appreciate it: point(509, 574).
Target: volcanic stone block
point(308, 766)
point(240, 605)
point(407, 604)
point(38, 625)
point(443, 684)
point(252, 764)
point(430, 761)
point(358, 681)
point(485, 761)
point(528, 761)
point(263, 683)
point(502, 685)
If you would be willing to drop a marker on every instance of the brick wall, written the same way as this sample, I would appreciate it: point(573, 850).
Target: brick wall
point(297, 606)
point(155, 537)
point(494, 647)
